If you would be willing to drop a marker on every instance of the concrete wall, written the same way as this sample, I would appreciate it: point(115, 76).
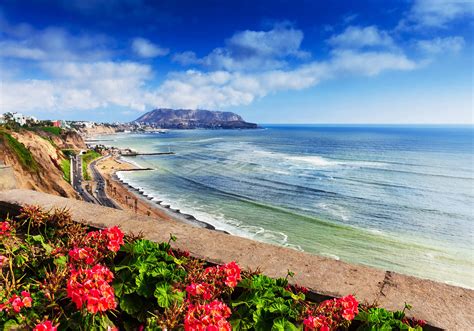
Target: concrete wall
point(7, 178)
point(442, 305)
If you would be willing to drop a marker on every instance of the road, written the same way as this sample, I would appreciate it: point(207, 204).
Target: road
point(76, 180)
point(100, 192)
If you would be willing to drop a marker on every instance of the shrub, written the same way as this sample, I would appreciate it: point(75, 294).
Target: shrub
point(58, 274)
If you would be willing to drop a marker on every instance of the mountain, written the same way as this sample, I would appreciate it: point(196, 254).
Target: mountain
point(194, 119)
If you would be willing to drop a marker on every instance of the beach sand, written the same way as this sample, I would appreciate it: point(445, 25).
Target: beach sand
point(132, 200)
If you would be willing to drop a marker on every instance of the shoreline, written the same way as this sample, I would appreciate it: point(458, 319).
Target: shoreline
point(145, 205)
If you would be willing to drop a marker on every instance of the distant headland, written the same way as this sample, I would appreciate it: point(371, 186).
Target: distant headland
point(194, 119)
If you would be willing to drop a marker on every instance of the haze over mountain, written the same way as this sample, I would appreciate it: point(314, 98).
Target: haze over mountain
point(194, 119)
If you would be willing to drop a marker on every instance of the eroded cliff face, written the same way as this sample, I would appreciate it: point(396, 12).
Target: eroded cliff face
point(69, 140)
point(46, 175)
point(97, 129)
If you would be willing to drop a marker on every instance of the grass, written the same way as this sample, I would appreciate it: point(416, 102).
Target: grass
point(51, 129)
point(23, 155)
point(66, 167)
point(86, 159)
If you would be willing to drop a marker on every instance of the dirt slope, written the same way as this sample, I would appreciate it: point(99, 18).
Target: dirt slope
point(46, 176)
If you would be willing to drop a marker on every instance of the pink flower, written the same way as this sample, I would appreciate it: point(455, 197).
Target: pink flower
point(232, 272)
point(86, 255)
point(3, 260)
point(45, 326)
point(27, 300)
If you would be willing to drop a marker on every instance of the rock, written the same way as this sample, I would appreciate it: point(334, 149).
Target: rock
point(194, 119)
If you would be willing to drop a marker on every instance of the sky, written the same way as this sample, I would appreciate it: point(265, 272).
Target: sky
point(278, 61)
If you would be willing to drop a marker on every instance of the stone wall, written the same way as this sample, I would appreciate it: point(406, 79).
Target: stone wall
point(441, 305)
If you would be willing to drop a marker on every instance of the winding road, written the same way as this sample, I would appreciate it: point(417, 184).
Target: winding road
point(100, 197)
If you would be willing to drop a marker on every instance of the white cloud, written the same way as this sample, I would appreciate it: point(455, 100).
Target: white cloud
point(78, 86)
point(218, 89)
point(22, 41)
point(145, 48)
point(252, 50)
point(441, 45)
point(437, 13)
point(359, 37)
point(12, 49)
point(369, 63)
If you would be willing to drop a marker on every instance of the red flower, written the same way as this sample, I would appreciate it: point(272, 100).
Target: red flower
point(200, 289)
point(86, 255)
point(115, 238)
point(5, 228)
point(45, 326)
point(16, 303)
point(92, 288)
point(211, 316)
point(316, 323)
point(350, 307)
point(232, 272)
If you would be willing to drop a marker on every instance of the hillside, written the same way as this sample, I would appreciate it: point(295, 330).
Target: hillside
point(194, 119)
point(36, 159)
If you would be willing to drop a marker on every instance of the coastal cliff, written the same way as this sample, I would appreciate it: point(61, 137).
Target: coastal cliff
point(194, 119)
point(36, 159)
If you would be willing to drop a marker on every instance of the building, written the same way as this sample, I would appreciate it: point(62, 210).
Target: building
point(56, 123)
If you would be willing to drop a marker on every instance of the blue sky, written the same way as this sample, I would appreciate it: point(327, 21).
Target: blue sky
point(270, 61)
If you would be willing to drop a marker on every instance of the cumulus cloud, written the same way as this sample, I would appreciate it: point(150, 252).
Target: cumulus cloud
point(441, 45)
point(218, 89)
point(79, 86)
point(360, 37)
point(436, 13)
point(252, 50)
point(22, 41)
point(145, 48)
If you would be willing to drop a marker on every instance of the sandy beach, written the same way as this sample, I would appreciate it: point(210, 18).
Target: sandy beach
point(129, 198)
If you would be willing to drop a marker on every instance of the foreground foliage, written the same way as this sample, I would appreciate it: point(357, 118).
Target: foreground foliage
point(59, 275)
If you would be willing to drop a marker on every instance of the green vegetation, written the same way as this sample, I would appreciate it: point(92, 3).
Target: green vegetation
point(51, 129)
point(86, 159)
point(62, 275)
point(23, 155)
point(68, 152)
point(66, 167)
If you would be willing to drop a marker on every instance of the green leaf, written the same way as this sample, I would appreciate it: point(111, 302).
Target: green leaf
point(10, 325)
point(60, 261)
point(131, 303)
point(164, 294)
point(282, 324)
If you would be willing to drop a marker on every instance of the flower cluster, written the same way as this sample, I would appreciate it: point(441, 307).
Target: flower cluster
point(92, 287)
point(85, 255)
point(204, 290)
point(331, 314)
point(228, 273)
point(45, 326)
point(17, 303)
point(5, 229)
point(211, 316)
point(110, 238)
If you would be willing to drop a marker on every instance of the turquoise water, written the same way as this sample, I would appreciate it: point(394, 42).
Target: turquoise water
point(397, 198)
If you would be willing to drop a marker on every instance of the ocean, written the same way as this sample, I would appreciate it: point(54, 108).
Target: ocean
point(399, 198)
